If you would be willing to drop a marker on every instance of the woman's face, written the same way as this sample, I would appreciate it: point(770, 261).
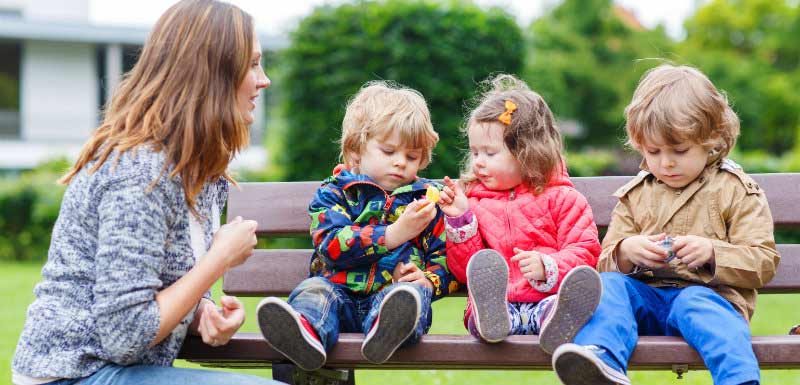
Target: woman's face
point(255, 80)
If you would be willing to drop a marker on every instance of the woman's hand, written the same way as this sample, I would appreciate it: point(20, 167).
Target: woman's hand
point(234, 242)
point(216, 326)
point(452, 200)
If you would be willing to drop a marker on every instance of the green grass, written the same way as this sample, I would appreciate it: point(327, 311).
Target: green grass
point(776, 313)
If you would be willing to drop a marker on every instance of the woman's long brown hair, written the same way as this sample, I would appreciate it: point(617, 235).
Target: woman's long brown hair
point(180, 97)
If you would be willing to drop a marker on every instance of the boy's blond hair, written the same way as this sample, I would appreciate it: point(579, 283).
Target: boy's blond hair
point(678, 103)
point(531, 134)
point(380, 107)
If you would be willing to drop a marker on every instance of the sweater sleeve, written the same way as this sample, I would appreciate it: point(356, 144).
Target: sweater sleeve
point(577, 239)
point(463, 240)
point(130, 256)
point(434, 247)
point(342, 243)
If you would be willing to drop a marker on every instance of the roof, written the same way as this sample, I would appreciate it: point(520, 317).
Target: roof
point(24, 29)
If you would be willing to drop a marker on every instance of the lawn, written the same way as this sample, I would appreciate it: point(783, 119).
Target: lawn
point(776, 313)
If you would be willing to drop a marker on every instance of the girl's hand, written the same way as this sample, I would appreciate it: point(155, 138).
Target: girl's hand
point(452, 200)
point(235, 241)
point(694, 251)
point(409, 272)
point(217, 327)
point(530, 264)
point(414, 219)
point(642, 251)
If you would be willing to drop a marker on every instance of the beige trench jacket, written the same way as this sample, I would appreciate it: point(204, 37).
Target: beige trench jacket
point(723, 204)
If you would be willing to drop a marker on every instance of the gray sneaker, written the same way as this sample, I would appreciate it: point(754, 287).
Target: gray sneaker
point(283, 329)
point(487, 281)
point(578, 297)
point(397, 318)
point(580, 365)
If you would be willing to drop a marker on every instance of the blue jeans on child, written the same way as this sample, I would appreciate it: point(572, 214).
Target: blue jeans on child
point(330, 309)
point(163, 375)
point(709, 323)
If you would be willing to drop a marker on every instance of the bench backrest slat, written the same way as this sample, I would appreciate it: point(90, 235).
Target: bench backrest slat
point(277, 272)
point(281, 207)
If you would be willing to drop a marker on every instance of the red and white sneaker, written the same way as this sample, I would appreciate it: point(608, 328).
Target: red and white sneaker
point(487, 281)
point(578, 297)
point(288, 332)
point(397, 318)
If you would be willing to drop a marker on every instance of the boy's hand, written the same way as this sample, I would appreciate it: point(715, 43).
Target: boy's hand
point(642, 251)
point(412, 221)
point(530, 264)
point(409, 272)
point(452, 200)
point(694, 251)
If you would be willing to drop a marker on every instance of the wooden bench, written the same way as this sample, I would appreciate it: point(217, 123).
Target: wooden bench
point(280, 209)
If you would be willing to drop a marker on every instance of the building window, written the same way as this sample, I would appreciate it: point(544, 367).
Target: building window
point(130, 54)
point(11, 52)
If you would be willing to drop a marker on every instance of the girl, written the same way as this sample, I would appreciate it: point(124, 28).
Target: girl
point(134, 252)
point(521, 233)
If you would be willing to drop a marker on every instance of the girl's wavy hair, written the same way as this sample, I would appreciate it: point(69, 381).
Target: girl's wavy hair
point(532, 136)
point(677, 103)
point(180, 97)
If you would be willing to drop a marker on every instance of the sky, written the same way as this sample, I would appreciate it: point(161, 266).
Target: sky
point(280, 17)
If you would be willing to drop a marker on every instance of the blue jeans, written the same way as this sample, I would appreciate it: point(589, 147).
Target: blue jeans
point(709, 323)
point(163, 375)
point(330, 309)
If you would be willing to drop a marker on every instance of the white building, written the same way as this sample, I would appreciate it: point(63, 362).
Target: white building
point(56, 72)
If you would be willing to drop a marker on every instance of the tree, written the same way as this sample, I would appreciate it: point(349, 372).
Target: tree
point(585, 59)
point(439, 49)
point(749, 49)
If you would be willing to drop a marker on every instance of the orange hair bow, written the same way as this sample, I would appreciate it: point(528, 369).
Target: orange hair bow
point(505, 117)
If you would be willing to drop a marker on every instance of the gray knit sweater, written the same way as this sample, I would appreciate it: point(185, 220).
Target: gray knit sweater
point(115, 245)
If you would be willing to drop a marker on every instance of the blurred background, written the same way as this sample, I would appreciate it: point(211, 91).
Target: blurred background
point(61, 59)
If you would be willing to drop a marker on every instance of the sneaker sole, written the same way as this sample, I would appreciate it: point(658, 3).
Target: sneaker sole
point(283, 331)
point(574, 368)
point(394, 325)
point(578, 298)
point(487, 281)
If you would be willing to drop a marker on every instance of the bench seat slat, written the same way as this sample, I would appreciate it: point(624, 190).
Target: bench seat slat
point(281, 207)
point(464, 352)
point(278, 271)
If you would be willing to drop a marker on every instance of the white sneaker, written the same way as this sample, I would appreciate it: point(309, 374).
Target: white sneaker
point(397, 318)
point(580, 365)
point(578, 297)
point(487, 282)
point(283, 329)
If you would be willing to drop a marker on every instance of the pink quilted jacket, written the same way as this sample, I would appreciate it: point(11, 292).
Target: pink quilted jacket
point(558, 222)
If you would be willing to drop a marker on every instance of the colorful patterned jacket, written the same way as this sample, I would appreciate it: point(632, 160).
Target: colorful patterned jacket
point(349, 217)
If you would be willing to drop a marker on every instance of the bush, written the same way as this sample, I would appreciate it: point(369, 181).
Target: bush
point(439, 49)
point(30, 205)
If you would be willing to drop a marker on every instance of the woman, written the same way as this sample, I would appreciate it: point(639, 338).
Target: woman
point(134, 252)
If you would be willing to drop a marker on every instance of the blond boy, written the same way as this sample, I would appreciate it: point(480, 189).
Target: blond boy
point(379, 245)
point(689, 242)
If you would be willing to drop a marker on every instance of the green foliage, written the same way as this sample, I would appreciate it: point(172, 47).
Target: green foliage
point(30, 205)
point(585, 61)
point(749, 49)
point(438, 48)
